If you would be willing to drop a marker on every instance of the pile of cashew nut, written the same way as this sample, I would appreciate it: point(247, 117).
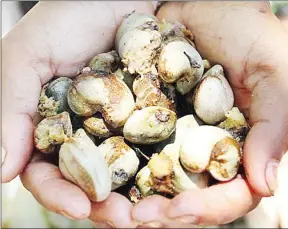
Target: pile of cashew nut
point(150, 117)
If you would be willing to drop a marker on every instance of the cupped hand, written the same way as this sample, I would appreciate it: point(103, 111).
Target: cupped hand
point(55, 39)
point(252, 46)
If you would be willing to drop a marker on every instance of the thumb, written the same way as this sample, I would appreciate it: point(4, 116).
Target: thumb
point(19, 100)
point(267, 139)
point(282, 190)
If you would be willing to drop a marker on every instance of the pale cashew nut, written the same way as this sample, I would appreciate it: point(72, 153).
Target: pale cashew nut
point(121, 159)
point(81, 162)
point(181, 63)
point(210, 148)
point(150, 125)
point(137, 42)
point(91, 93)
point(213, 96)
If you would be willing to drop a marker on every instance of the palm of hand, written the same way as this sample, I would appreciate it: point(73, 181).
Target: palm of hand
point(251, 70)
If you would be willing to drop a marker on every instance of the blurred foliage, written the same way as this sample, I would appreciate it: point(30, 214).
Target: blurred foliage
point(278, 5)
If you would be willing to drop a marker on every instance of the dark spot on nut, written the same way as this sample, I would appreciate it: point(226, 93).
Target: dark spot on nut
point(193, 63)
point(120, 176)
point(162, 116)
point(101, 73)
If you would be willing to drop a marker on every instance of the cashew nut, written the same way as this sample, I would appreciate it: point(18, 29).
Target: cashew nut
point(137, 42)
point(213, 149)
point(121, 159)
point(53, 97)
point(235, 123)
point(81, 162)
point(52, 131)
point(150, 125)
point(147, 89)
point(106, 62)
point(213, 96)
point(92, 92)
point(164, 174)
point(181, 63)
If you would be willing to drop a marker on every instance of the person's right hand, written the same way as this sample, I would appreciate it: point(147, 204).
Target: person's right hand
point(252, 46)
point(55, 39)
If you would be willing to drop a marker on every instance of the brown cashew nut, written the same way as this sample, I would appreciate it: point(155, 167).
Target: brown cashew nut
point(52, 131)
point(92, 92)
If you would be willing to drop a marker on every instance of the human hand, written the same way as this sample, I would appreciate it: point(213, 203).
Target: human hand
point(55, 39)
point(251, 44)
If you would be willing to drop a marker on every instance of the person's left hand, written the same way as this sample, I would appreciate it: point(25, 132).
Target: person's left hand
point(251, 44)
point(56, 38)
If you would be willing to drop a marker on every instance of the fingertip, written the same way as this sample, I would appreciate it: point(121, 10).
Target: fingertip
point(262, 151)
point(115, 211)
point(47, 185)
point(150, 209)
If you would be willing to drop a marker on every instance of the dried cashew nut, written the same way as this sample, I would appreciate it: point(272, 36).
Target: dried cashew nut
point(213, 96)
point(150, 125)
point(91, 92)
point(150, 91)
point(99, 128)
point(181, 63)
point(105, 62)
point(121, 159)
point(210, 148)
point(164, 174)
point(137, 42)
point(236, 124)
point(52, 131)
point(81, 162)
point(53, 97)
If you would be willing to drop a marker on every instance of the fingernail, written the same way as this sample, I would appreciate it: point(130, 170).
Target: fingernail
point(65, 214)
point(3, 151)
point(188, 219)
point(152, 225)
point(103, 225)
point(271, 175)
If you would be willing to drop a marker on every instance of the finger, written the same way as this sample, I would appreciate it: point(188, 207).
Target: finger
point(49, 188)
point(150, 213)
point(268, 139)
point(114, 212)
point(282, 190)
point(219, 204)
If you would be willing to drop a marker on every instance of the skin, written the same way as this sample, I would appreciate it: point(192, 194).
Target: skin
point(55, 39)
point(256, 68)
point(282, 182)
